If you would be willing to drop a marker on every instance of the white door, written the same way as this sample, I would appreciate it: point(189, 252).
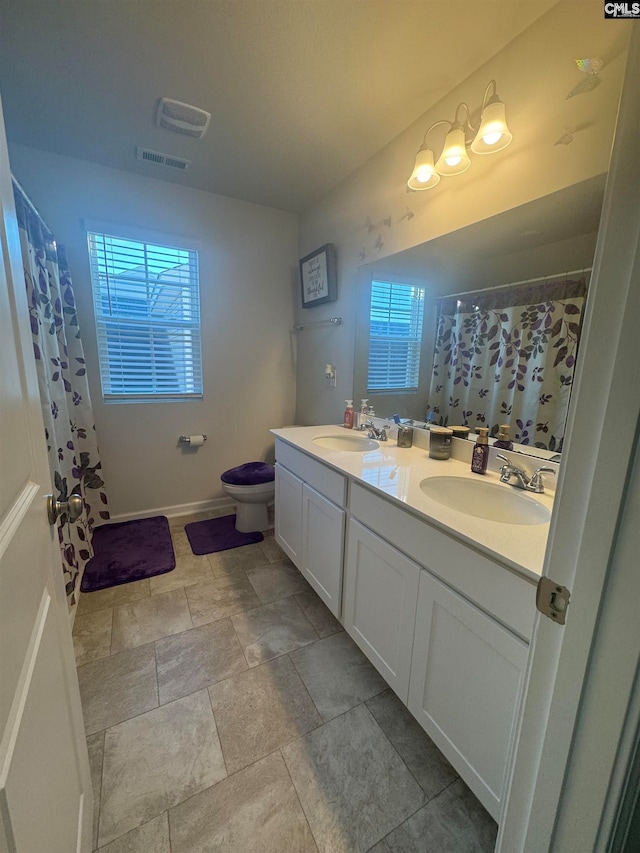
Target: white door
point(323, 543)
point(45, 787)
point(466, 676)
point(288, 517)
point(381, 595)
point(553, 803)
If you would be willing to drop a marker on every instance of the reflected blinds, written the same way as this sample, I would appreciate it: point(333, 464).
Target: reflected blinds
point(395, 336)
point(147, 307)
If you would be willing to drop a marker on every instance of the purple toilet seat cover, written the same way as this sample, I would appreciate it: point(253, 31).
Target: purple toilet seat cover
point(249, 474)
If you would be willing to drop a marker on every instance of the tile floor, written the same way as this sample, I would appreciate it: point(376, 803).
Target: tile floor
point(227, 710)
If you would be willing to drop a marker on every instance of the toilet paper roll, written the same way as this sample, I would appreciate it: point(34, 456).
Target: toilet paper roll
point(196, 440)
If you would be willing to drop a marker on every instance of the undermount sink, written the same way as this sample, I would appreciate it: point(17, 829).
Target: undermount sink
point(353, 443)
point(492, 501)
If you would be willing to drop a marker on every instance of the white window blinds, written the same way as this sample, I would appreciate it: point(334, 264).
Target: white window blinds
point(395, 336)
point(147, 307)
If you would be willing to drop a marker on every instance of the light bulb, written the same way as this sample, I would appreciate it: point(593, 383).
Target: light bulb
point(452, 161)
point(423, 174)
point(493, 134)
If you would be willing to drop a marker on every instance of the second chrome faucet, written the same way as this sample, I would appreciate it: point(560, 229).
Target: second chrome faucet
point(514, 476)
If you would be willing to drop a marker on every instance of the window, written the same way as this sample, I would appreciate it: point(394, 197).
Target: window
point(395, 336)
point(146, 301)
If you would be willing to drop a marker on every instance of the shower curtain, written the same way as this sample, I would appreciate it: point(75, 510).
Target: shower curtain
point(72, 446)
point(508, 356)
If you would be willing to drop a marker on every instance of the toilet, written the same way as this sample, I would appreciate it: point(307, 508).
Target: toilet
point(251, 486)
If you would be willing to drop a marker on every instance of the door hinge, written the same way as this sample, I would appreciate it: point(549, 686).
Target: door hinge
point(552, 600)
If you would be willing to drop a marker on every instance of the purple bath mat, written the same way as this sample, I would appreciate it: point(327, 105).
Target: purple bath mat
point(129, 551)
point(218, 534)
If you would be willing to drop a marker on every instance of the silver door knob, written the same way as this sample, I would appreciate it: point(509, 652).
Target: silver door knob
point(73, 507)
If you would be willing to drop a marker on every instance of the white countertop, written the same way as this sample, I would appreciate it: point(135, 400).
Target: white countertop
point(396, 474)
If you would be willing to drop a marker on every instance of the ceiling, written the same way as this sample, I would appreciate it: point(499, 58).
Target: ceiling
point(301, 92)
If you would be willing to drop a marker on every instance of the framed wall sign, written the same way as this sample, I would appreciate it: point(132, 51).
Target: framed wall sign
point(318, 277)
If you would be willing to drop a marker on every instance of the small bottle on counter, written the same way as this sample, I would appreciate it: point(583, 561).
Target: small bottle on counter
point(360, 418)
point(440, 442)
point(348, 415)
point(503, 442)
point(480, 456)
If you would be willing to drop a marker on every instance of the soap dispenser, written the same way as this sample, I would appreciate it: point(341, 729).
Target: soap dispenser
point(503, 442)
point(348, 415)
point(480, 456)
point(361, 416)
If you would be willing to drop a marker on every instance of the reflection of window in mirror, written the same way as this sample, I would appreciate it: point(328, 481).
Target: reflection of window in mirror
point(395, 337)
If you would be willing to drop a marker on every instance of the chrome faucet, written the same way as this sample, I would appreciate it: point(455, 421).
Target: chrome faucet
point(374, 432)
point(522, 479)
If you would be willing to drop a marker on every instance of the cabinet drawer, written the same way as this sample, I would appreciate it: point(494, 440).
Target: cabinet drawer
point(323, 479)
point(496, 589)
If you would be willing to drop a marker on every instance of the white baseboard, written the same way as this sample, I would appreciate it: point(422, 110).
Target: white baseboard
point(177, 510)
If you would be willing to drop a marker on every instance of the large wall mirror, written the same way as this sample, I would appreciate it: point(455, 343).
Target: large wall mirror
point(546, 239)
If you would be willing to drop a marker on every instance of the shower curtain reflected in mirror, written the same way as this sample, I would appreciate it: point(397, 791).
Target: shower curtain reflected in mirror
point(507, 355)
point(72, 446)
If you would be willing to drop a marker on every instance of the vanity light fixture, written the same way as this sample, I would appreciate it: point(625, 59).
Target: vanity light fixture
point(492, 135)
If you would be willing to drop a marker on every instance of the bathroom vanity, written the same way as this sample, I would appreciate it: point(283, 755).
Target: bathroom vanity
point(441, 601)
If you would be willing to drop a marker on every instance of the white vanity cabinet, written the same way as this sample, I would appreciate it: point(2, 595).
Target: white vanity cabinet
point(310, 521)
point(381, 593)
point(458, 666)
point(466, 677)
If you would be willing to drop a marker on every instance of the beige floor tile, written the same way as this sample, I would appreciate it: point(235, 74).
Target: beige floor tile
point(89, 602)
point(151, 837)
point(220, 598)
point(197, 658)
point(430, 768)
point(257, 809)
point(454, 821)
point(336, 674)
point(353, 786)
point(272, 630)
point(92, 636)
point(224, 563)
point(278, 580)
point(273, 551)
point(318, 614)
point(181, 546)
point(261, 710)
point(95, 746)
point(118, 687)
point(150, 619)
point(189, 570)
point(157, 760)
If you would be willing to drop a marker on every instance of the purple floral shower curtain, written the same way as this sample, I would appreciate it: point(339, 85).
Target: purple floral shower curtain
point(66, 406)
point(508, 356)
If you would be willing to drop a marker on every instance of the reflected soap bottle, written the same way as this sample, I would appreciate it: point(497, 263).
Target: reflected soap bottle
point(503, 442)
point(480, 456)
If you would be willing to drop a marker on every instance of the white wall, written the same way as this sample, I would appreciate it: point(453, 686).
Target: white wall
point(534, 74)
point(248, 265)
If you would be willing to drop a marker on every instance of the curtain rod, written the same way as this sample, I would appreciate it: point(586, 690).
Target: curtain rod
point(333, 321)
point(28, 200)
point(516, 283)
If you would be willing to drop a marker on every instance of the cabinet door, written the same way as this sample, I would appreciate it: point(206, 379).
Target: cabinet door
point(381, 592)
point(322, 546)
point(288, 514)
point(466, 678)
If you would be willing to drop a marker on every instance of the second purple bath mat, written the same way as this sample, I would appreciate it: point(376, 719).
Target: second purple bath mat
point(218, 534)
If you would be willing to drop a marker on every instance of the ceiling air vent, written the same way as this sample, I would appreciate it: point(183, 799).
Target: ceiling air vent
point(182, 118)
point(162, 159)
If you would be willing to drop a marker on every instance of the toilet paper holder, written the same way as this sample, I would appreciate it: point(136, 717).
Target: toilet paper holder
point(186, 439)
